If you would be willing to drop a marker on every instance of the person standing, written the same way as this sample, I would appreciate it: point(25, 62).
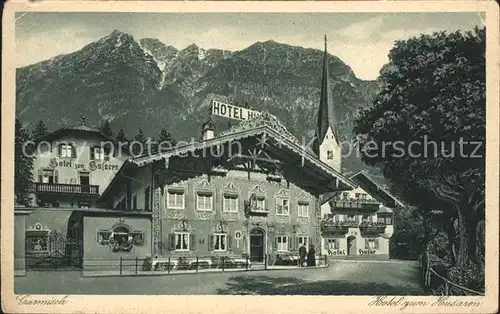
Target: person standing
point(302, 255)
point(311, 256)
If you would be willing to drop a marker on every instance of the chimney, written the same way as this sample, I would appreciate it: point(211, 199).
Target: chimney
point(208, 130)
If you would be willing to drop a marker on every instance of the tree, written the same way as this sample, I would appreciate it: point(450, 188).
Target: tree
point(40, 130)
point(23, 170)
point(139, 148)
point(106, 128)
point(165, 141)
point(433, 94)
point(121, 137)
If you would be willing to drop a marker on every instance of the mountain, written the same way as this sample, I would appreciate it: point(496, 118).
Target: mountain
point(150, 85)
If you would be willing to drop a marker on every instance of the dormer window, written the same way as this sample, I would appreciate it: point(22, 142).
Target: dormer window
point(67, 151)
point(96, 153)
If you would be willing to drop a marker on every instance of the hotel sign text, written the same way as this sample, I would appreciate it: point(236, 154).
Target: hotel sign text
point(233, 112)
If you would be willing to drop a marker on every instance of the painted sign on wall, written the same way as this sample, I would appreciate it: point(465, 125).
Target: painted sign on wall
point(231, 111)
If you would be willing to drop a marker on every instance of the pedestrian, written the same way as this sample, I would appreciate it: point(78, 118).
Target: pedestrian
point(302, 255)
point(311, 256)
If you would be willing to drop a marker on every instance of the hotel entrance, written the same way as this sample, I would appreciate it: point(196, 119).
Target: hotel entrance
point(351, 245)
point(257, 245)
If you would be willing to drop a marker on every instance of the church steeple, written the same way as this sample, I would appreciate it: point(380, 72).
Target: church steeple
point(327, 143)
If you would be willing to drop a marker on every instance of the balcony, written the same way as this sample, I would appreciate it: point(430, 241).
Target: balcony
point(372, 227)
point(337, 226)
point(327, 225)
point(59, 188)
point(353, 203)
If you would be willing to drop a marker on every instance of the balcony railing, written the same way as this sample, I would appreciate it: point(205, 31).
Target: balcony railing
point(355, 203)
point(372, 226)
point(65, 188)
point(343, 226)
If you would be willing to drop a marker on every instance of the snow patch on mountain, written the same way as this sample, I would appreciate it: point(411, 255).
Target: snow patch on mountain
point(201, 54)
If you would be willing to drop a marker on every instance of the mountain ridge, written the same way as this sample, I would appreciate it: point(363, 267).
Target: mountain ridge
point(148, 84)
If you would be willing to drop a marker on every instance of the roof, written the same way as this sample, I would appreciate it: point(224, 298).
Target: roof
point(367, 183)
point(264, 123)
point(326, 115)
point(81, 128)
point(264, 126)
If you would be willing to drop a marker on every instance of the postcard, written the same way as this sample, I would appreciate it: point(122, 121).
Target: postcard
point(260, 157)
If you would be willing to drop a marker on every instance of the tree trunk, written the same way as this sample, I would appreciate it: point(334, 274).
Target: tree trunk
point(450, 231)
point(467, 223)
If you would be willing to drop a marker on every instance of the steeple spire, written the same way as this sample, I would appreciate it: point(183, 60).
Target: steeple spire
point(326, 114)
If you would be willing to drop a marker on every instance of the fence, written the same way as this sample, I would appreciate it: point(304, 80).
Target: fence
point(432, 280)
point(196, 264)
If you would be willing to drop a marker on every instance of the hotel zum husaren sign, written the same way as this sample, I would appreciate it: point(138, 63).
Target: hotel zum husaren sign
point(230, 111)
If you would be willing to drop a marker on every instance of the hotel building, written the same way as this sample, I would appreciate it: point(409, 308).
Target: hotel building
point(252, 191)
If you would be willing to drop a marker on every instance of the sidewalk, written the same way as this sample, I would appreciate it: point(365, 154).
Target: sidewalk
point(186, 272)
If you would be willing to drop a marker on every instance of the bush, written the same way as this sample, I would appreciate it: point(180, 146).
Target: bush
point(470, 276)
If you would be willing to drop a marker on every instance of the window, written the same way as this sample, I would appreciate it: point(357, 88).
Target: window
point(182, 241)
point(261, 203)
point(365, 218)
point(351, 218)
point(103, 237)
point(332, 244)
point(364, 196)
point(230, 203)
point(147, 198)
point(358, 196)
point(134, 202)
point(282, 243)
point(345, 195)
point(67, 150)
point(329, 154)
point(204, 201)
point(47, 176)
point(385, 220)
point(175, 199)
point(97, 153)
point(303, 240)
point(282, 206)
point(303, 209)
point(371, 244)
point(220, 242)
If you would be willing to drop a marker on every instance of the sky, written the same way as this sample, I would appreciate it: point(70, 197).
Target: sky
point(361, 40)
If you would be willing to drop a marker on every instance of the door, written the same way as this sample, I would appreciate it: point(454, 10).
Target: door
point(257, 245)
point(85, 182)
point(351, 245)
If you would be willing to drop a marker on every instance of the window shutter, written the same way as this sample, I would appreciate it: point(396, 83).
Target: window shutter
point(336, 217)
point(59, 151)
point(73, 151)
point(229, 242)
point(336, 244)
point(295, 243)
point(367, 245)
point(171, 241)
point(275, 246)
point(211, 242)
point(192, 242)
point(40, 175)
point(92, 153)
point(376, 244)
point(289, 243)
point(244, 240)
point(56, 175)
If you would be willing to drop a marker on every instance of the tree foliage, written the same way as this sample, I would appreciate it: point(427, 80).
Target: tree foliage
point(40, 130)
point(433, 91)
point(23, 170)
point(106, 128)
point(121, 137)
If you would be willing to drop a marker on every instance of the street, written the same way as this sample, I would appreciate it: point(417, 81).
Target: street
point(340, 278)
